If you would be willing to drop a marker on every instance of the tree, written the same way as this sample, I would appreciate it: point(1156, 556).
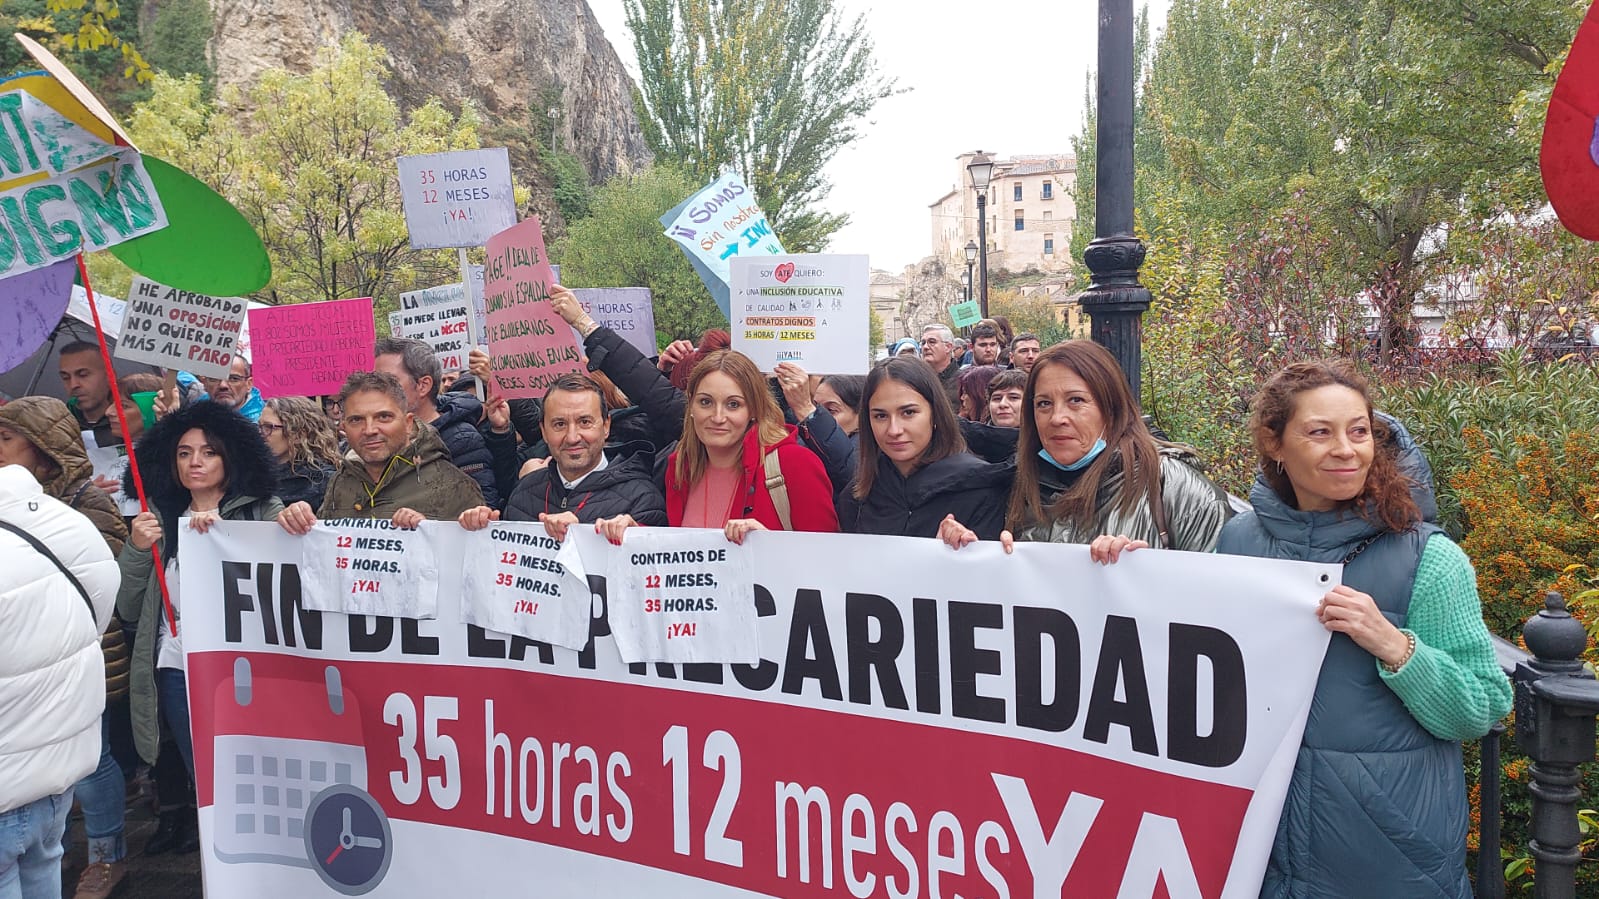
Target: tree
point(179, 38)
point(310, 161)
point(621, 244)
point(773, 88)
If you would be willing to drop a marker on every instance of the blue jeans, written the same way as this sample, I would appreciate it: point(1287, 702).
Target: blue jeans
point(172, 695)
point(30, 848)
point(103, 796)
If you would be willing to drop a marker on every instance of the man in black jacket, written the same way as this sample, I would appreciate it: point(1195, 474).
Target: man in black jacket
point(454, 415)
point(585, 481)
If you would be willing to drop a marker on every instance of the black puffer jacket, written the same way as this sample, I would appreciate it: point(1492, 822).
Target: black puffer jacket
point(304, 482)
point(972, 490)
point(645, 386)
point(626, 484)
point(457, 426)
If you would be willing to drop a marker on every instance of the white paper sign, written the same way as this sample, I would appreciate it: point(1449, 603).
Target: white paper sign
point(438, 316)
point(363, 566)
point(723, 222)
point(458, 199)
point(629, 311)
point(517, 579)
point(179, 329)
point(111, 462)
point(682, 595)
point(812, 310)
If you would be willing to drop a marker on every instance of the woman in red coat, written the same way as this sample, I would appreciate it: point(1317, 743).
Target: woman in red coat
point(719, 475)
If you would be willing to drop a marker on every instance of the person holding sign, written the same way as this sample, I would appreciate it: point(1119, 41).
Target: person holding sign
point(400, 468)
point(209, 463)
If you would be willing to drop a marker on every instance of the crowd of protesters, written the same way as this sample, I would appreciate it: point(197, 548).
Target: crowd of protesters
point(993, 436)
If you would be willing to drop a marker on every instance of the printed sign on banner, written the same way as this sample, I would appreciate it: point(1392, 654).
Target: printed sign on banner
point(812, 310)
point(177, 329)
point(517, 579)
point(629, 311)
point(308, 349)
point(367, 566)
point(1024, 725)
point(721, 222)
point(531, 346)
point(683, 595)
point(438, 316)
point(458, 199)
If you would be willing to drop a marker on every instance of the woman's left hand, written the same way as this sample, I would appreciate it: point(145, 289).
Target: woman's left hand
point(736, 528)
point(1107, 550)
point(1345, 610)
point(954, 534)
point(200, 522)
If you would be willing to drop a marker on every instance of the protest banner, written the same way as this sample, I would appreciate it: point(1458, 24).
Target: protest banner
point(440, 317)
point(720, 222)
point(531, 346)
point(308, 349)
point(684, 595)
point(972, 723)
point(966, 314)
point(629, 311)
point(457, 199)
point(369, 566)
point(812, 310)
point(179, 329)
point(517, 579)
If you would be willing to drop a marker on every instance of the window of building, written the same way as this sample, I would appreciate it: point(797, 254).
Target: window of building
point(1049, 244)
point(1017, 192)
point(1049, 190)
point(1021, 221)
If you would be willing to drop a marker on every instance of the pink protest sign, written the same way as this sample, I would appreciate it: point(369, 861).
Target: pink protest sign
point(310, 348)
point(531, 346)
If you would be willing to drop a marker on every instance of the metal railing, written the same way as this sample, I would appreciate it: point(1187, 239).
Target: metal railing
point(1557, 700)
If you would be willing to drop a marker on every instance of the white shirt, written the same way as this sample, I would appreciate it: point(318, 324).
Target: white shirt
point(579, 479)
point(169, 649)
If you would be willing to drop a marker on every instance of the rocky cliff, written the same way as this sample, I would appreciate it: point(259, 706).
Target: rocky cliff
point(516, 59)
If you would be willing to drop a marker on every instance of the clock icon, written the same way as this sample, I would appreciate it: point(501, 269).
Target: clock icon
point(347, 839)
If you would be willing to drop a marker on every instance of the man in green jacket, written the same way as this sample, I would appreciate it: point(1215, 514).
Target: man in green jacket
point(397, 467)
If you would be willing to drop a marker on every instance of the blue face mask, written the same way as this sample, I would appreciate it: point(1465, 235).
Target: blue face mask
point(1080, 464)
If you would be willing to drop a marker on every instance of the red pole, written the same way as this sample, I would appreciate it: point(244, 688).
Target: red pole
point(127, 441)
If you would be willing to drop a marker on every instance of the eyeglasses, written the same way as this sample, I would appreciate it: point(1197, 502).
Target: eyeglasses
point(231, 379)
point(267, 430)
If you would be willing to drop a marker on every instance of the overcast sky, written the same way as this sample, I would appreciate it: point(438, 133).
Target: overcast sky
point(1011, 83)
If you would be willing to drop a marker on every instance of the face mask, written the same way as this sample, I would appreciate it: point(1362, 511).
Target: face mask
point(1080, 464)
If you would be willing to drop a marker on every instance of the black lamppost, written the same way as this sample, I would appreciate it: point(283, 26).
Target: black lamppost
point(1115, 301)
point(971, 258)
point(981, 168)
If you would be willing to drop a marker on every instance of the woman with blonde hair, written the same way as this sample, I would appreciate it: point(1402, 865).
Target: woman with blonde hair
point(302, 439)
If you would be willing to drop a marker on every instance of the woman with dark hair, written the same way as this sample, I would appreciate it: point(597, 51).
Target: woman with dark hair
point(303, 441)
point(209, 463)
point(826, 424)
point(1087, 466)
point(972, 387)
point(1377, 805)
point(1005, 395)
point(913, 468)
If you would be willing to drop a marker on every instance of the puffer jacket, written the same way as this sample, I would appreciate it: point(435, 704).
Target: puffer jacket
point(457, 423)
point(251, 495)
point(300, 482)
point(1195, 508)
point(419, 477)
point(810, 493)
point(962, 485)
point(625, 485)
point(51, 672)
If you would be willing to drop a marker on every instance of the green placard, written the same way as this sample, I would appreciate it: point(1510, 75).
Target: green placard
point(966, 314)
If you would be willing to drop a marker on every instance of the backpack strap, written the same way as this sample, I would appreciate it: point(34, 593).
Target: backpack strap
point(777, 488)
point(38, 544)
point(1157, 508)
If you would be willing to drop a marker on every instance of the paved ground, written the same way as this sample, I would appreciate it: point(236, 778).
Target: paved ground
point(160, 877)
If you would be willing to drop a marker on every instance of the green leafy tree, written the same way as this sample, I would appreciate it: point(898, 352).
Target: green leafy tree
point(620, 244)
point(772, 88)
point(179, 39)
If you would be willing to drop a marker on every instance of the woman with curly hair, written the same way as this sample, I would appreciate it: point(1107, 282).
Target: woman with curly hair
point(303, 441)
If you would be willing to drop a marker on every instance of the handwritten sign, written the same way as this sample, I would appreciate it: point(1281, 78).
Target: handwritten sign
point(531, 346)
point(519, 580)
point(440, 317)
point(629, 311)
point(811, 310)
point(683, 595)
point(719, 223)
point(180, 329)
point(310, 348)
point(365, 566)
point(966, 314)
point(458, 199)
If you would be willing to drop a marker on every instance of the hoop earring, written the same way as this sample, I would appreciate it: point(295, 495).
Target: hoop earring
point(1279, 466)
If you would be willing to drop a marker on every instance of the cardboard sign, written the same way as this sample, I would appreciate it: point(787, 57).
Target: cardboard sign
point(458, 199)
point(966, 314)
point(363, 566)
point(310, 348)
point(719, 223)
point(177, 329)
point(812, 310)
point(974, 723)
point(83, 210)
point(440, 317)
point(629, 311)
point(531, 346)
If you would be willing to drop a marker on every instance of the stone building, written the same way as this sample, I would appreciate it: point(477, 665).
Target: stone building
point(1030, 214)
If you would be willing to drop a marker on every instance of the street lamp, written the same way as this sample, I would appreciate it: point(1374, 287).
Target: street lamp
point(981, 168)
point(1115, 301)
point(971, 258)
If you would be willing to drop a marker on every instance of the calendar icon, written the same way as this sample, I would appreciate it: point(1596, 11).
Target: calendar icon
point(279, 745)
